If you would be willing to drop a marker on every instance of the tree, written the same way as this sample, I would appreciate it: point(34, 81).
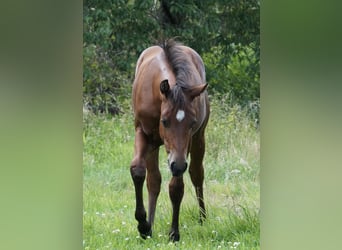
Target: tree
point(225, 33)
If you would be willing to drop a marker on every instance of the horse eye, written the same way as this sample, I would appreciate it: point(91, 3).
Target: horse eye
point(193, 123)
point(165, 123)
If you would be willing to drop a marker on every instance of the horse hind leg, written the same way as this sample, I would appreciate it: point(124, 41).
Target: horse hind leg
point(196, 171)
point(153, 184)
point(138, 173)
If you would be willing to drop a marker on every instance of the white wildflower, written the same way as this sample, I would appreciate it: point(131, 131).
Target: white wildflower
point(235, 171)
point(243, 162)
point(235, 244)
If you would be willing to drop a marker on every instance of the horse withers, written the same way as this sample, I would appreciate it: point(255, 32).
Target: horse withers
point(171, 107)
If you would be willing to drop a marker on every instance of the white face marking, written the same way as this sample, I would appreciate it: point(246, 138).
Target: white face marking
point(180, 115)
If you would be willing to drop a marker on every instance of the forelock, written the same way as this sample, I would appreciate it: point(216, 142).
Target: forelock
point(177, 97)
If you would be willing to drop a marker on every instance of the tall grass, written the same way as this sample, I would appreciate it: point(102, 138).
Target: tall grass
point(231, 188)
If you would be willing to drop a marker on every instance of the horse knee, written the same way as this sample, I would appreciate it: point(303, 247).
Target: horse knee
point(138, 169)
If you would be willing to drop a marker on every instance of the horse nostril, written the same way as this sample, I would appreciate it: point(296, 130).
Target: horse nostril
point(173, 166)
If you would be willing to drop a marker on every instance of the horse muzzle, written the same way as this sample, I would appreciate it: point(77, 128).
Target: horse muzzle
point(178, 169)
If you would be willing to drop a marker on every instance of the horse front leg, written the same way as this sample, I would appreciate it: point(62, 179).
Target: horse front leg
point(176, 192)
point(153, 180)
point(138, 173)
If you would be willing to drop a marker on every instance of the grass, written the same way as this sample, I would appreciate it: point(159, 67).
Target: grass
point(231, 188)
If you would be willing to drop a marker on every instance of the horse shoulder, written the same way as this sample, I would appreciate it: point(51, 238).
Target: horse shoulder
point(146, 96)
point(146, 56)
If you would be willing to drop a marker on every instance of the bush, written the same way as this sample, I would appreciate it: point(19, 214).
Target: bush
point(236, 75)
point(104, 87)
point(116, 32)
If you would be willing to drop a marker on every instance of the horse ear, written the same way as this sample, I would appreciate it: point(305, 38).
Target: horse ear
point(165, 87)
point(196, 91)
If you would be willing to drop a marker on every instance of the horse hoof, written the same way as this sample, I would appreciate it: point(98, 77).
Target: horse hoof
point(145, 230)
point(174, 236)
point(147, 235)
point(201, 220)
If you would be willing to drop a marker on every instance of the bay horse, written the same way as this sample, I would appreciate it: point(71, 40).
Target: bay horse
point(171, 107)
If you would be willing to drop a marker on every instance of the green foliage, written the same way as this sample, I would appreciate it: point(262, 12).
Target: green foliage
point(237, 76)
point(99, 85)
point(224, 32)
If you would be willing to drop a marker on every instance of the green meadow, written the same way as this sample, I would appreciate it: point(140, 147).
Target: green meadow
point(231, 186)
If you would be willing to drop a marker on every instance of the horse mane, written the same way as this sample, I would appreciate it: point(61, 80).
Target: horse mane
point(181, 67)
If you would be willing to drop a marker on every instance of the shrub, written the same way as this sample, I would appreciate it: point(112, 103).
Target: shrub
point(236, 75)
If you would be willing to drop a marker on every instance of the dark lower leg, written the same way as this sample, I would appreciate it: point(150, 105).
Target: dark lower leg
point(196, 171)
point(176, 192)
point(138, 173)
point(140, 214)
point(199, 193)
point(197, 180)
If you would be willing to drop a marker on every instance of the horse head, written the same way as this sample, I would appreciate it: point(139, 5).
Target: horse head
point(178, 122)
